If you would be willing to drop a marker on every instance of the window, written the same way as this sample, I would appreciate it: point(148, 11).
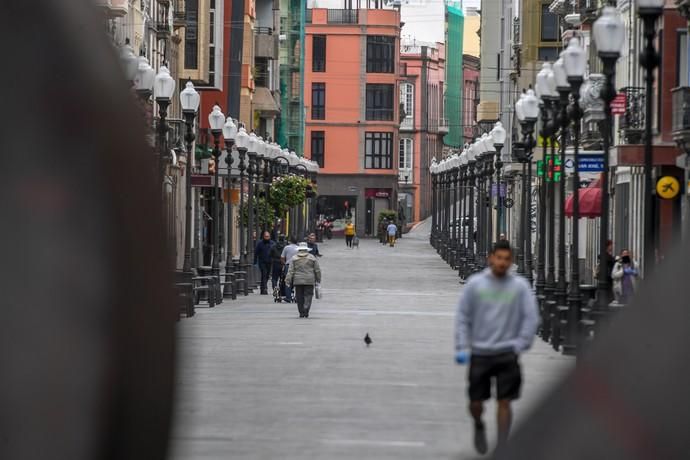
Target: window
point(548, 53)
point(379, 150)
point(379, 102)
point(550, 29)
point(318, 53)
point(405, 160)
point(380, 54)
point(407, 99)
point(191, 53)
point(317, 147)
point(318, 101)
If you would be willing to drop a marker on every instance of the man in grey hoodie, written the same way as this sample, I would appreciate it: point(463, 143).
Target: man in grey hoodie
point(496, 321)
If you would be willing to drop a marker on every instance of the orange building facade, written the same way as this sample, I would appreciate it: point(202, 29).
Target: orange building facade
point(352, 103)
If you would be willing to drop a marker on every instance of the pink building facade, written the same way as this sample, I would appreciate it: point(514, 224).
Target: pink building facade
point(470, 73)
point(422, 125)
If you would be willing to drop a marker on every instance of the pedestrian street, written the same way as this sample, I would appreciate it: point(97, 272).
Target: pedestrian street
point(255, 381)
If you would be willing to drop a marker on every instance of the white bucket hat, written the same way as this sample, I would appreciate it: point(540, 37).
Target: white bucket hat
point(303, 247)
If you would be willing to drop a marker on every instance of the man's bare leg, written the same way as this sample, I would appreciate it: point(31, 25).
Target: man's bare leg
point(480, 443)
point(504, 418)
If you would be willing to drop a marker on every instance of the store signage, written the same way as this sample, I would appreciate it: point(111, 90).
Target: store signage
point(668, 187)
point(619, 104)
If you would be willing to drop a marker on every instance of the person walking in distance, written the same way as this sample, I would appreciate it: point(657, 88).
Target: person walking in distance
point(277, 262)
point(349, 233)
point(624, 276)
point(288, 253)
point(496, 321)
point(313, 246)
point(262, 258)
point(392, 231)
point(303, 274)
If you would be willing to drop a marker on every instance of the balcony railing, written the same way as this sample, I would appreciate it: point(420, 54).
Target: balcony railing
point(163, 28)
point(681, 111)
point(407, 124)
point(405, 175)
point(443, 125)
point(632, 122)
point(379, 114)
point(343, 16)
point(265, 43)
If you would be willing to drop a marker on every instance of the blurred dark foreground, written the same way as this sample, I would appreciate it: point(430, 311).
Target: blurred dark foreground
point(87, 335)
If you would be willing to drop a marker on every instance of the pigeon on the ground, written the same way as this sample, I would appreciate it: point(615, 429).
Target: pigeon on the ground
point(367, 339)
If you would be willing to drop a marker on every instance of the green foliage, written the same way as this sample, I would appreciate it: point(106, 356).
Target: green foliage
point(288, 191)
point(264, 215)
point(388, 214)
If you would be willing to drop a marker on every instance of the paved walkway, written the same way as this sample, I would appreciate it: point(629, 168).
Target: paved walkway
point(257, 382)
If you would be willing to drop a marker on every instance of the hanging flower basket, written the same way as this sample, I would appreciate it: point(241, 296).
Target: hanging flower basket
point(288, 191)
point(264, 214)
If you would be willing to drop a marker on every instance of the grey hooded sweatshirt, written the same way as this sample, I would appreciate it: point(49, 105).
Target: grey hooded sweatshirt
point(496, 315)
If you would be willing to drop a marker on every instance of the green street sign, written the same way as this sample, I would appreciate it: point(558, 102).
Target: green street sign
point(556, 170)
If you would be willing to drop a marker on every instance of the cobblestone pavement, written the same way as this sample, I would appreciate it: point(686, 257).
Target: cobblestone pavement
point(258, 382)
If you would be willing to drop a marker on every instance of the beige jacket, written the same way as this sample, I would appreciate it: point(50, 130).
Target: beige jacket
point(304, 270)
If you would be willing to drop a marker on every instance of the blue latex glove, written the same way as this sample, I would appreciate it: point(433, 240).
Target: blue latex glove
point(462, 357)
point(628, 271)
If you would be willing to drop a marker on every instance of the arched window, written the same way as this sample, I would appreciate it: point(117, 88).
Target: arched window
point(406, 165)
point(407, 101)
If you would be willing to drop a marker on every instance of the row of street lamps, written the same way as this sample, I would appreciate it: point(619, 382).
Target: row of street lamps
point(556, 100)
point(249, 159)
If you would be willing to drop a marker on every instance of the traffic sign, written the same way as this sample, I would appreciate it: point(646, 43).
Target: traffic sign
point(667, 187)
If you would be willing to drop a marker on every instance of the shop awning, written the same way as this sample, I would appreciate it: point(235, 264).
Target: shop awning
point(590, 201)
point(263, 101)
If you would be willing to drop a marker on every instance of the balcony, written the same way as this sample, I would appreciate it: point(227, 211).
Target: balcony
point(407, 124)
point(405, 176)
point(179, 14)
point(265, 43)
point(443, 126)
point(163, 28)
point(631, 126)
point(681, 116)
point(343, 16)
point(114, 8)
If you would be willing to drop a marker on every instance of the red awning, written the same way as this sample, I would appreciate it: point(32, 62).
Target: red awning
point(590, 201)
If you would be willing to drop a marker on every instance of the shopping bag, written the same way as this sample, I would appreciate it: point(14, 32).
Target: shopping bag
point(317, 290)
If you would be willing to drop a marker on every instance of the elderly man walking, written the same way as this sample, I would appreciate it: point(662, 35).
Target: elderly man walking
point(496, 322)
point(303, 274)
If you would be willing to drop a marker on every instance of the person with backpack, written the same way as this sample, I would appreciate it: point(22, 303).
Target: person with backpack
point(304, 273)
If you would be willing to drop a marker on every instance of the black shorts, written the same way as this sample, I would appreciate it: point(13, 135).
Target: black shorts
point(504, 368)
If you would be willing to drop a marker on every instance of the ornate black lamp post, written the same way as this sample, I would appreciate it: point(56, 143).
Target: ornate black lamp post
point(546, 90)
point(649, 11)
point(252, 170)
point(527, 111)
point(609, 36)
point(163, 89)
point(574, 62)
point(561, 293)
point(242, 143)
point(490, 170)
point(189, 99)
point(462, 185)
point(498, 134)
point(546, 282)
point(216, 120)
point(480, 174)
point(471, 228)
point(454, 219)
point(434, 201)
point(229, 134)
